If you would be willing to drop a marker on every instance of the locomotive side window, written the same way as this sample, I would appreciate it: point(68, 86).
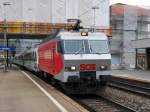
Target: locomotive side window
point(59, 47)
point(98, 46)
point(74, 46)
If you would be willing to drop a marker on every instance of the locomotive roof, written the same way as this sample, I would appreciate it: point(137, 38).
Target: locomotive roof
point(77, 35)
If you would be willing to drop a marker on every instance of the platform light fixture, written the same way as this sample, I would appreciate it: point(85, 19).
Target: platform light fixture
point(95, 8)
point(5, 34)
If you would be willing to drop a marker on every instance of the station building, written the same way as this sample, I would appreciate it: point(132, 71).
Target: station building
point(131, 37)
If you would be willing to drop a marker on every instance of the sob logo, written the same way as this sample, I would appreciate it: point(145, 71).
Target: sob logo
point(87, 67)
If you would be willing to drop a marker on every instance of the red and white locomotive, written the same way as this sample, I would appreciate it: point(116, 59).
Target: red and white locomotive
point(79, 61)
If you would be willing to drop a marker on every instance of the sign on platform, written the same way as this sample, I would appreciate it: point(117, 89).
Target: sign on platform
point(7, 48)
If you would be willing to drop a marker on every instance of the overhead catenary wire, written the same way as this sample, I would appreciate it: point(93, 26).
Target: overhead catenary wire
point(85, 12)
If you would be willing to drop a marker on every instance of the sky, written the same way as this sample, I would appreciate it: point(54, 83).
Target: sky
point(132, 2)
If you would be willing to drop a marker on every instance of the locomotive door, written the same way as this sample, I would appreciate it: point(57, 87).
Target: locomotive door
point(53, 58)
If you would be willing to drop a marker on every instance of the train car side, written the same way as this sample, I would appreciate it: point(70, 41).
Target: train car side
point(82, 67)
point(50, 60)
point(79, 63)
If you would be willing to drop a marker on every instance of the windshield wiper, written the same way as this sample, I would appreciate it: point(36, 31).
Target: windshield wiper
point(79, 50)
point(91, 49)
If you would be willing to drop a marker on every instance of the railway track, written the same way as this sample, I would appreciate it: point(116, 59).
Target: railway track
point(99, 103)
point(95, 103)
point(131, 86)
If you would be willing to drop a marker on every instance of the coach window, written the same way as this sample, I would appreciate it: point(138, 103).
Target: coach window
point(35, 56)
point(28, 56)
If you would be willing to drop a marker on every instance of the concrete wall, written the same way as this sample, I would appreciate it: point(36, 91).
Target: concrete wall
point(128, 51)
point(130, 26)
point(57, 11)
point(12, 12)
point(141, 43)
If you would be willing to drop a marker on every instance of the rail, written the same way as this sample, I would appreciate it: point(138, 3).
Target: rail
point(134, 86)
point(95, 103)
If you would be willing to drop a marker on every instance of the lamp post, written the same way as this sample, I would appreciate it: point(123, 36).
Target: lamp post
point(95, 8)
point(5, 36)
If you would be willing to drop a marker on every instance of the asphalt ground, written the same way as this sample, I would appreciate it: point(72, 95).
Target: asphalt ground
point(23, 92)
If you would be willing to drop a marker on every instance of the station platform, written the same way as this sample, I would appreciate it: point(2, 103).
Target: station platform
point(22, 92)
point(138, 75)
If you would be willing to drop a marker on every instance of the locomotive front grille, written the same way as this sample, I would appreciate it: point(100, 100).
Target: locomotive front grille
point(87, 74)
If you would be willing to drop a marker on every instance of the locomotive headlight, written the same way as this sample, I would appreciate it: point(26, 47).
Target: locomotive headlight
point(72, 68)
point(103, 67)
point(84, 33)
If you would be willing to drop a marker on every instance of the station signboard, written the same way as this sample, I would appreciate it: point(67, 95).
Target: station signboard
point(4, 48)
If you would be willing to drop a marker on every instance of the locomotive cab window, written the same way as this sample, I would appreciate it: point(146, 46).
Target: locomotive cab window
point(98, 46)
point(74, 46)
point(59, 47)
